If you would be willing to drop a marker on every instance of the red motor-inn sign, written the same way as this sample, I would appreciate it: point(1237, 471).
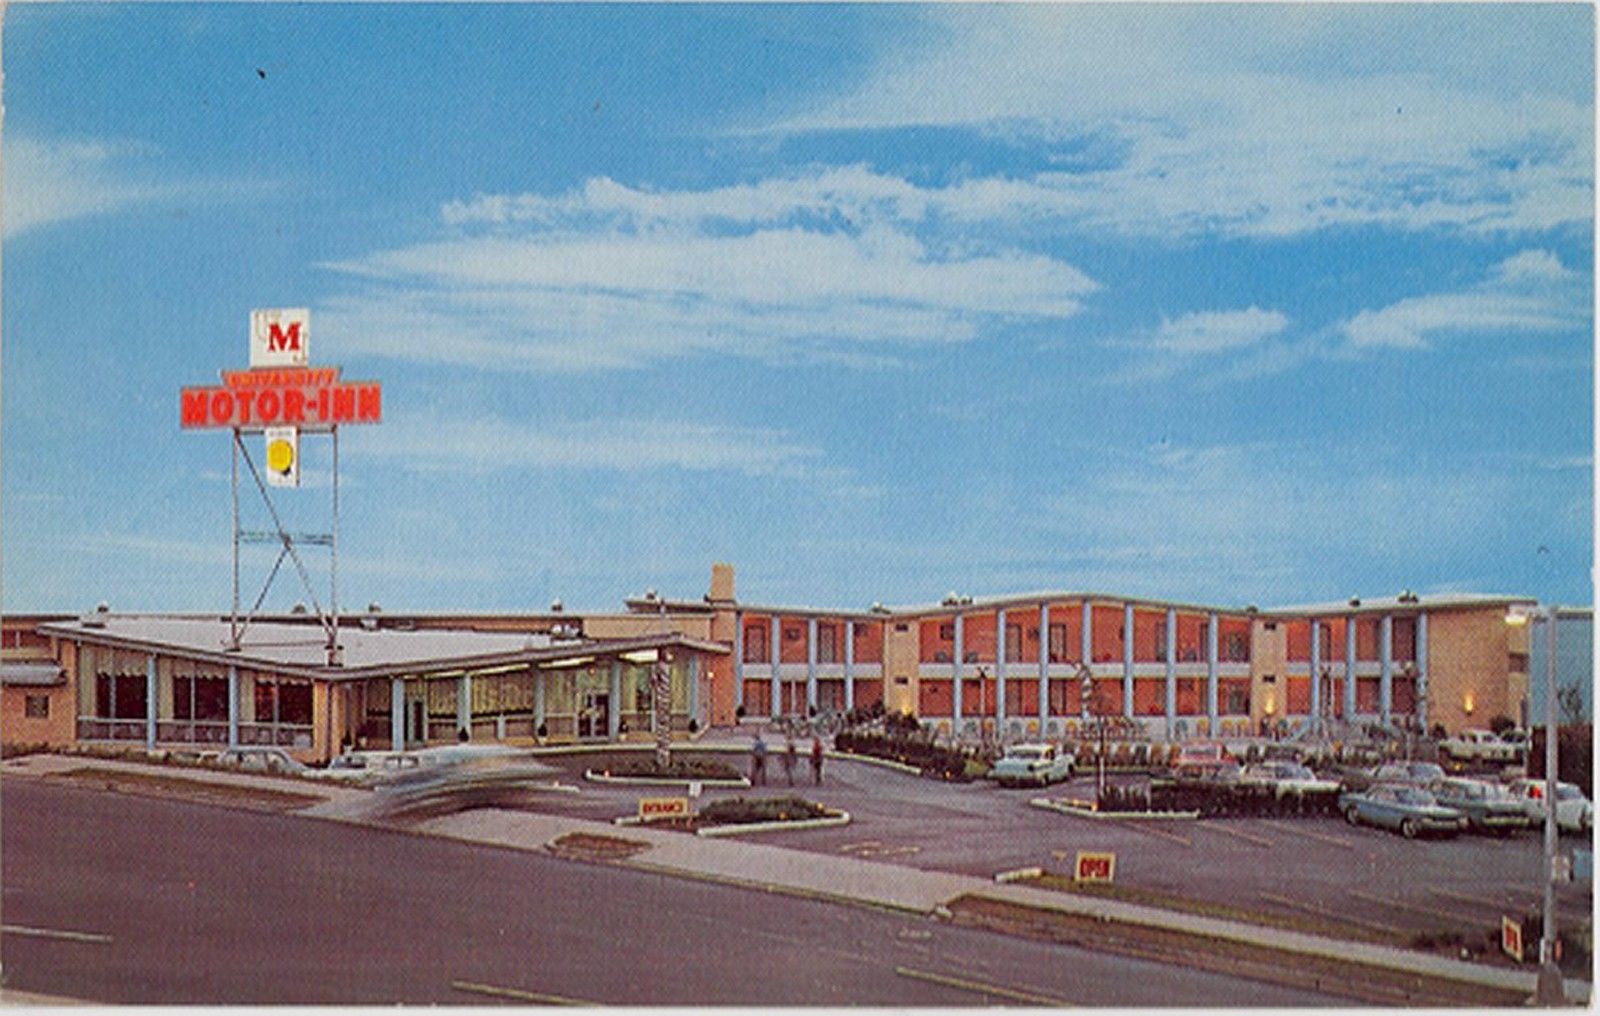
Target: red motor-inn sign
point(308, 397)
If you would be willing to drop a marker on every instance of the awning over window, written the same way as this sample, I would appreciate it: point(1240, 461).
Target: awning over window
point(32, 675)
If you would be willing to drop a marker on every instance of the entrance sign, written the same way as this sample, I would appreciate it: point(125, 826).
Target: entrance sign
point(652, 808)
point(1511, 938)
point(283, 456)
point(1094, 867)
point(308, 398)
point(280, 338)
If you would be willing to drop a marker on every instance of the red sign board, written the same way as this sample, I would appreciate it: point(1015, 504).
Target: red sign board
point(1094, 867)
point(652, 808)
point(309, 397)
point(1511, 938)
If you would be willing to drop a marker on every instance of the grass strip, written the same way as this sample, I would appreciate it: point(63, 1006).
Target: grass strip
point(203, 791)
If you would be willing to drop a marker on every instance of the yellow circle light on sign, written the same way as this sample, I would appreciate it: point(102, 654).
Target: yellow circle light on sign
point(280, 456)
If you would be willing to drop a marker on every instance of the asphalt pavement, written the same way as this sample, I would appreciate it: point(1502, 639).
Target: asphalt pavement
point(121, 899)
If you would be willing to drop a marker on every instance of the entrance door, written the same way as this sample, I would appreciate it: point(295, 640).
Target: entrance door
point(594, 718)
point(419, 722)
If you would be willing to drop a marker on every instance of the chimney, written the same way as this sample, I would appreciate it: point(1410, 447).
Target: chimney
point(721, 583)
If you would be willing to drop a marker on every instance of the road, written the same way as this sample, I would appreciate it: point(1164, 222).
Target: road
point(172, 902)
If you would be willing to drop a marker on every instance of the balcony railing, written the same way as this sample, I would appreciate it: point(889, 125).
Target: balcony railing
point(283, 735)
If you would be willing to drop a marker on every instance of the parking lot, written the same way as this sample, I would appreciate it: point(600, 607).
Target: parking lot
point(1319, 872)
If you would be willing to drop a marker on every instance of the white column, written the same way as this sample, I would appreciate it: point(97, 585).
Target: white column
point(1386, 665)
point(738, 659)
point(955, 682)
point(151, 697)
point(1172, 671)
point(1350, 668)
point(849, 665)
point(811, 664)
point(1211, 672)
point(1422, 670)
point(1044, 665)
point(999, 670)
point(1127, 660)
point(614, 714)
point(776, 654)
point(464, 705)
point(694, 688)
point(538, 700)
point(1086, 642)
point(233, 706)
point(1316, 669)
point(397, 714)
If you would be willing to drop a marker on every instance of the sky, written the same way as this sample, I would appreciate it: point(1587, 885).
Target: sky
point(1235, 305)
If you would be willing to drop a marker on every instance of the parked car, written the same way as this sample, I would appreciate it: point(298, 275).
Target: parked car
point(1287, 778)
point(1489, 807)
point(1478, 746)
point(257, 760)
point(1202, 757)
point(1416, 774)
point(1409, 809)
point(1574, 813)
point(1038, 764)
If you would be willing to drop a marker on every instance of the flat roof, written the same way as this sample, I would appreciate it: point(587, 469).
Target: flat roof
point(301, 649)
point(1394, 604)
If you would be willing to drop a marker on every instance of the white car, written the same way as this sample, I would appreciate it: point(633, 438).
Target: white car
point(1039, 764)
point(1574, 813)
point(1479, 746)
point(1287, 778)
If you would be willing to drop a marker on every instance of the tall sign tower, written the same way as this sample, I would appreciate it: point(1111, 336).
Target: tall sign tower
point(282, 397)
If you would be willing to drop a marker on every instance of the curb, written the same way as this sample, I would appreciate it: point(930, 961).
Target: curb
point(776, 888)
point(826, 821)
point(663, 781)
point(1113, 816)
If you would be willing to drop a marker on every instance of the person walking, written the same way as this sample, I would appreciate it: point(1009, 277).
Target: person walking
point(816, 760)
point(758, 762)
point(789, 756)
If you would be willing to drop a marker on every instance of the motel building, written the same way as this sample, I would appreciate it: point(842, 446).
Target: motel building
point(1014, 667)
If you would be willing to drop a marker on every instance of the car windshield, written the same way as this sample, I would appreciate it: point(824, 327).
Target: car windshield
point(1568, 792)
point(1027, 754)
point(1411, 795)
point(1426, 771)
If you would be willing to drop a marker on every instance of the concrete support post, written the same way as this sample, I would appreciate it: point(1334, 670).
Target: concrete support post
point(233, 706)
point(955, 671)
point(1172, 671)
point(1044, 665)
point(1386, 668)
point(776, 654)
point(1086, 643)
point(464, 705)
point(811, 664)
point(151, 695)
point(614, 713)
point(397, 714)
point(738, 659)
point(1350, 669)
point(1127, 660)
point(1211, 673)
point(538, 700)
point(999, 670)
point(1422, 670)
point(849, 665)
point(694, 689)
point(1316, 671)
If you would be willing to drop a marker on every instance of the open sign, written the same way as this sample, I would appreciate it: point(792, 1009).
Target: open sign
point(1091, 866)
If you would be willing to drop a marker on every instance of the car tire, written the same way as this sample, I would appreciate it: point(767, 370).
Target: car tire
point(1409, 828)
point(1352, 816)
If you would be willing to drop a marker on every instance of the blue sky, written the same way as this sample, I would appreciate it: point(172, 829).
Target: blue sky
point(1239, 305)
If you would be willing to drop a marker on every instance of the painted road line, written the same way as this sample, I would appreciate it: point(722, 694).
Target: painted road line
point(1338, 841)
point(863, 845)
point(64, 936)
point(1425, 911)
point(1312, 908)
point(516, 993)
point(983, 988)
point(1250, 838)
point(1153, 831)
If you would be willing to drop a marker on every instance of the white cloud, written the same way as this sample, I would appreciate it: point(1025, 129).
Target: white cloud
point(1230, 338)
point(489, 443)
point(609, 278)
point(1204, 332)
point(1528, 292)
point(1242, 122)
point(50, 181)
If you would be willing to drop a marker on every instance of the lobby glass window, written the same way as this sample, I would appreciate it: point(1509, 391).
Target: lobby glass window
point(1161, 640)
point(1236, 647)
point(130, 695)
point(1058, 643)
point(36, 707)
point(947, 632)
point(1013, 641)
point(294, 704)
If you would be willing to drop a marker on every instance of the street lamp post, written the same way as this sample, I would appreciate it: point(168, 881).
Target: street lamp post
point(1549, 991)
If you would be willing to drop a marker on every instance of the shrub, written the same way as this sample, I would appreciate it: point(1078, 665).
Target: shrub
point(743, 810)
point(1502, 723)
point(679, 769)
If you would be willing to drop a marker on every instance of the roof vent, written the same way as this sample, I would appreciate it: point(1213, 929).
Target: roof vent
point(102, 607)
point(650, 594)
point(298, 608)
point(373, 608)
point(96, 619)
point(1355, 601)
point(877, 607)
point(951, 599)
point(1407, 596)
point(556, 607)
